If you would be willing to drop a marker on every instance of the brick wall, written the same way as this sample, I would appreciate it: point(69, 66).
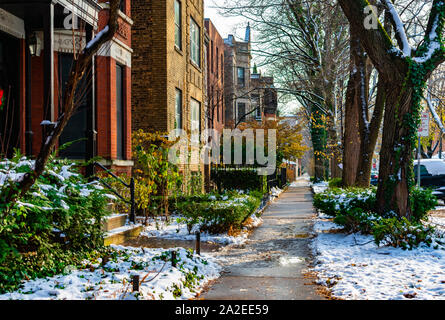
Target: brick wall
point(215, 75)
point(159, 67)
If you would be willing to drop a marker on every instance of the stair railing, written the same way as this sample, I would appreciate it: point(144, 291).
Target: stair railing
point(130, 186)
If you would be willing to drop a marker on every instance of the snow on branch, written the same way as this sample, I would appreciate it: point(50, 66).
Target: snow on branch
point(399, 28)
point(435, 115)
point(97, 38)
point(434, 43)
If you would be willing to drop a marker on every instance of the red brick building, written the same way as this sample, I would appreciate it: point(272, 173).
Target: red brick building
point(37, 47)
point(215, 77)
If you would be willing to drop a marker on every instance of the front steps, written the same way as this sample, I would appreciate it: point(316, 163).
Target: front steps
point(118, 230)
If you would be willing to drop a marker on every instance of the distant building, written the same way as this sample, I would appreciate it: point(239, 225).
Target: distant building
point(248, 96)
point(215, 77)
point(264, 97)
point(237, 58)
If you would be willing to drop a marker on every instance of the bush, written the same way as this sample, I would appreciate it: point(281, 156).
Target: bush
point(217, 216)
point(335, 183)
point(337, 201)
point(354, 210)
point(238, 179)
point(57, 220)
point(422, 201)
point(401, 233)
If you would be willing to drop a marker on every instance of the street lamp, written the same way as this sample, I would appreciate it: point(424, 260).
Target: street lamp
point(33, 44)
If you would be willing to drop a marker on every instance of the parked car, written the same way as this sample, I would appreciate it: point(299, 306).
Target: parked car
point(374, 177)
point(432, 174)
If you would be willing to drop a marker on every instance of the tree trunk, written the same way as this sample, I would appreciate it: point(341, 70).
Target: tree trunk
point(351, 140)
point(369, 139)
point(396, 152)
point(319, 142)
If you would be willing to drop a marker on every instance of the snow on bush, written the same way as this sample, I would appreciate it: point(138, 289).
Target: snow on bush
point(112, 280)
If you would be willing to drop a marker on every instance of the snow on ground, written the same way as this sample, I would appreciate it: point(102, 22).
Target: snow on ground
point(302, 181)
point(113, 281)
point(355, 268)
point(319, 187)
point(176, 229)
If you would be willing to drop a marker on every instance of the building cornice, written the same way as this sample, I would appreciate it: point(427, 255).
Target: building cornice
point(11, 24)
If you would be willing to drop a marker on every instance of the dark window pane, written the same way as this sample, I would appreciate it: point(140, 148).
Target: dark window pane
point(75, 130)
point(120, 112)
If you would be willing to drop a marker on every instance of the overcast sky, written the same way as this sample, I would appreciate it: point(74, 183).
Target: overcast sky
point(225, 25)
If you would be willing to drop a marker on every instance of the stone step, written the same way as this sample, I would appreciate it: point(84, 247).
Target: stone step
point(114, 221)
point(438, 212)
point(122, 234)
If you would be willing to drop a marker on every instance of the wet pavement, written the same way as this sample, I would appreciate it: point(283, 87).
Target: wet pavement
point(272, 263)
point(154, 242)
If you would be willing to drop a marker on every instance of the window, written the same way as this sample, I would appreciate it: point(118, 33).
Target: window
point(241, 77)
point(195, 42)
point(122, 6)
point(178, 25)
point(195, 111)
point(256, 104)
point(241, 111)
point(178, 109)
point(76, 128)
point(423, 171)
point(120, 112)
point(211, 56)
point(222, 66)
point(217, 62)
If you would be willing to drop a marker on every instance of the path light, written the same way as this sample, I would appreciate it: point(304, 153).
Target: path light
point(135, 280)
point(174, 259)
point(198, 242)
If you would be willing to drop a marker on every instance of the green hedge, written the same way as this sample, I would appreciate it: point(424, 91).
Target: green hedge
point(354, 210)
point(57, 223)
point(217, 216)
point(238, 179)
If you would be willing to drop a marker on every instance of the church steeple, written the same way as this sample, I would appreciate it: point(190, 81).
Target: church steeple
point(247, 36)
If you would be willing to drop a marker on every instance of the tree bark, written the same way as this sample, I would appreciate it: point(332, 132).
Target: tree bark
point(369, 139)
point(396, 153)
point(351, 140)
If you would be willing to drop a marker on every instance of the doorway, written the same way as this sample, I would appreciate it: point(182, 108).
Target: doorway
point(9, 92)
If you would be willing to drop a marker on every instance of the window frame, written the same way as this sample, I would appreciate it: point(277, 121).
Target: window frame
point(243, 84)
point(195, 132)
point(180, 109)
point(195, 44)
point(178, 27)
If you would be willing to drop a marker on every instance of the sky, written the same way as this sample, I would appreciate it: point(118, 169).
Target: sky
point(225, 25)
point(236, 26)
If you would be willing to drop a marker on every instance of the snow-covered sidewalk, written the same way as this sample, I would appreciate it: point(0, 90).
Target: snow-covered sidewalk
point(158, 278)
point(353, 267)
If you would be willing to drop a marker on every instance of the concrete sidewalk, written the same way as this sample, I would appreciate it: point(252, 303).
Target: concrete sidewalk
point(270, 266)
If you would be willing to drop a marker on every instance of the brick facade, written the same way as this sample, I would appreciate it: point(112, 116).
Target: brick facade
point(160, 67)
point(32, 89)
point(215, 77)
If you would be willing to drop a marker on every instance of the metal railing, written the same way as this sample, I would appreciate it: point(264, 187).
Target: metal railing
point(130, 186)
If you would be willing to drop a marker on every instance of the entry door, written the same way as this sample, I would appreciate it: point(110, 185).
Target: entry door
point(75, 132)
point(9, 90)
